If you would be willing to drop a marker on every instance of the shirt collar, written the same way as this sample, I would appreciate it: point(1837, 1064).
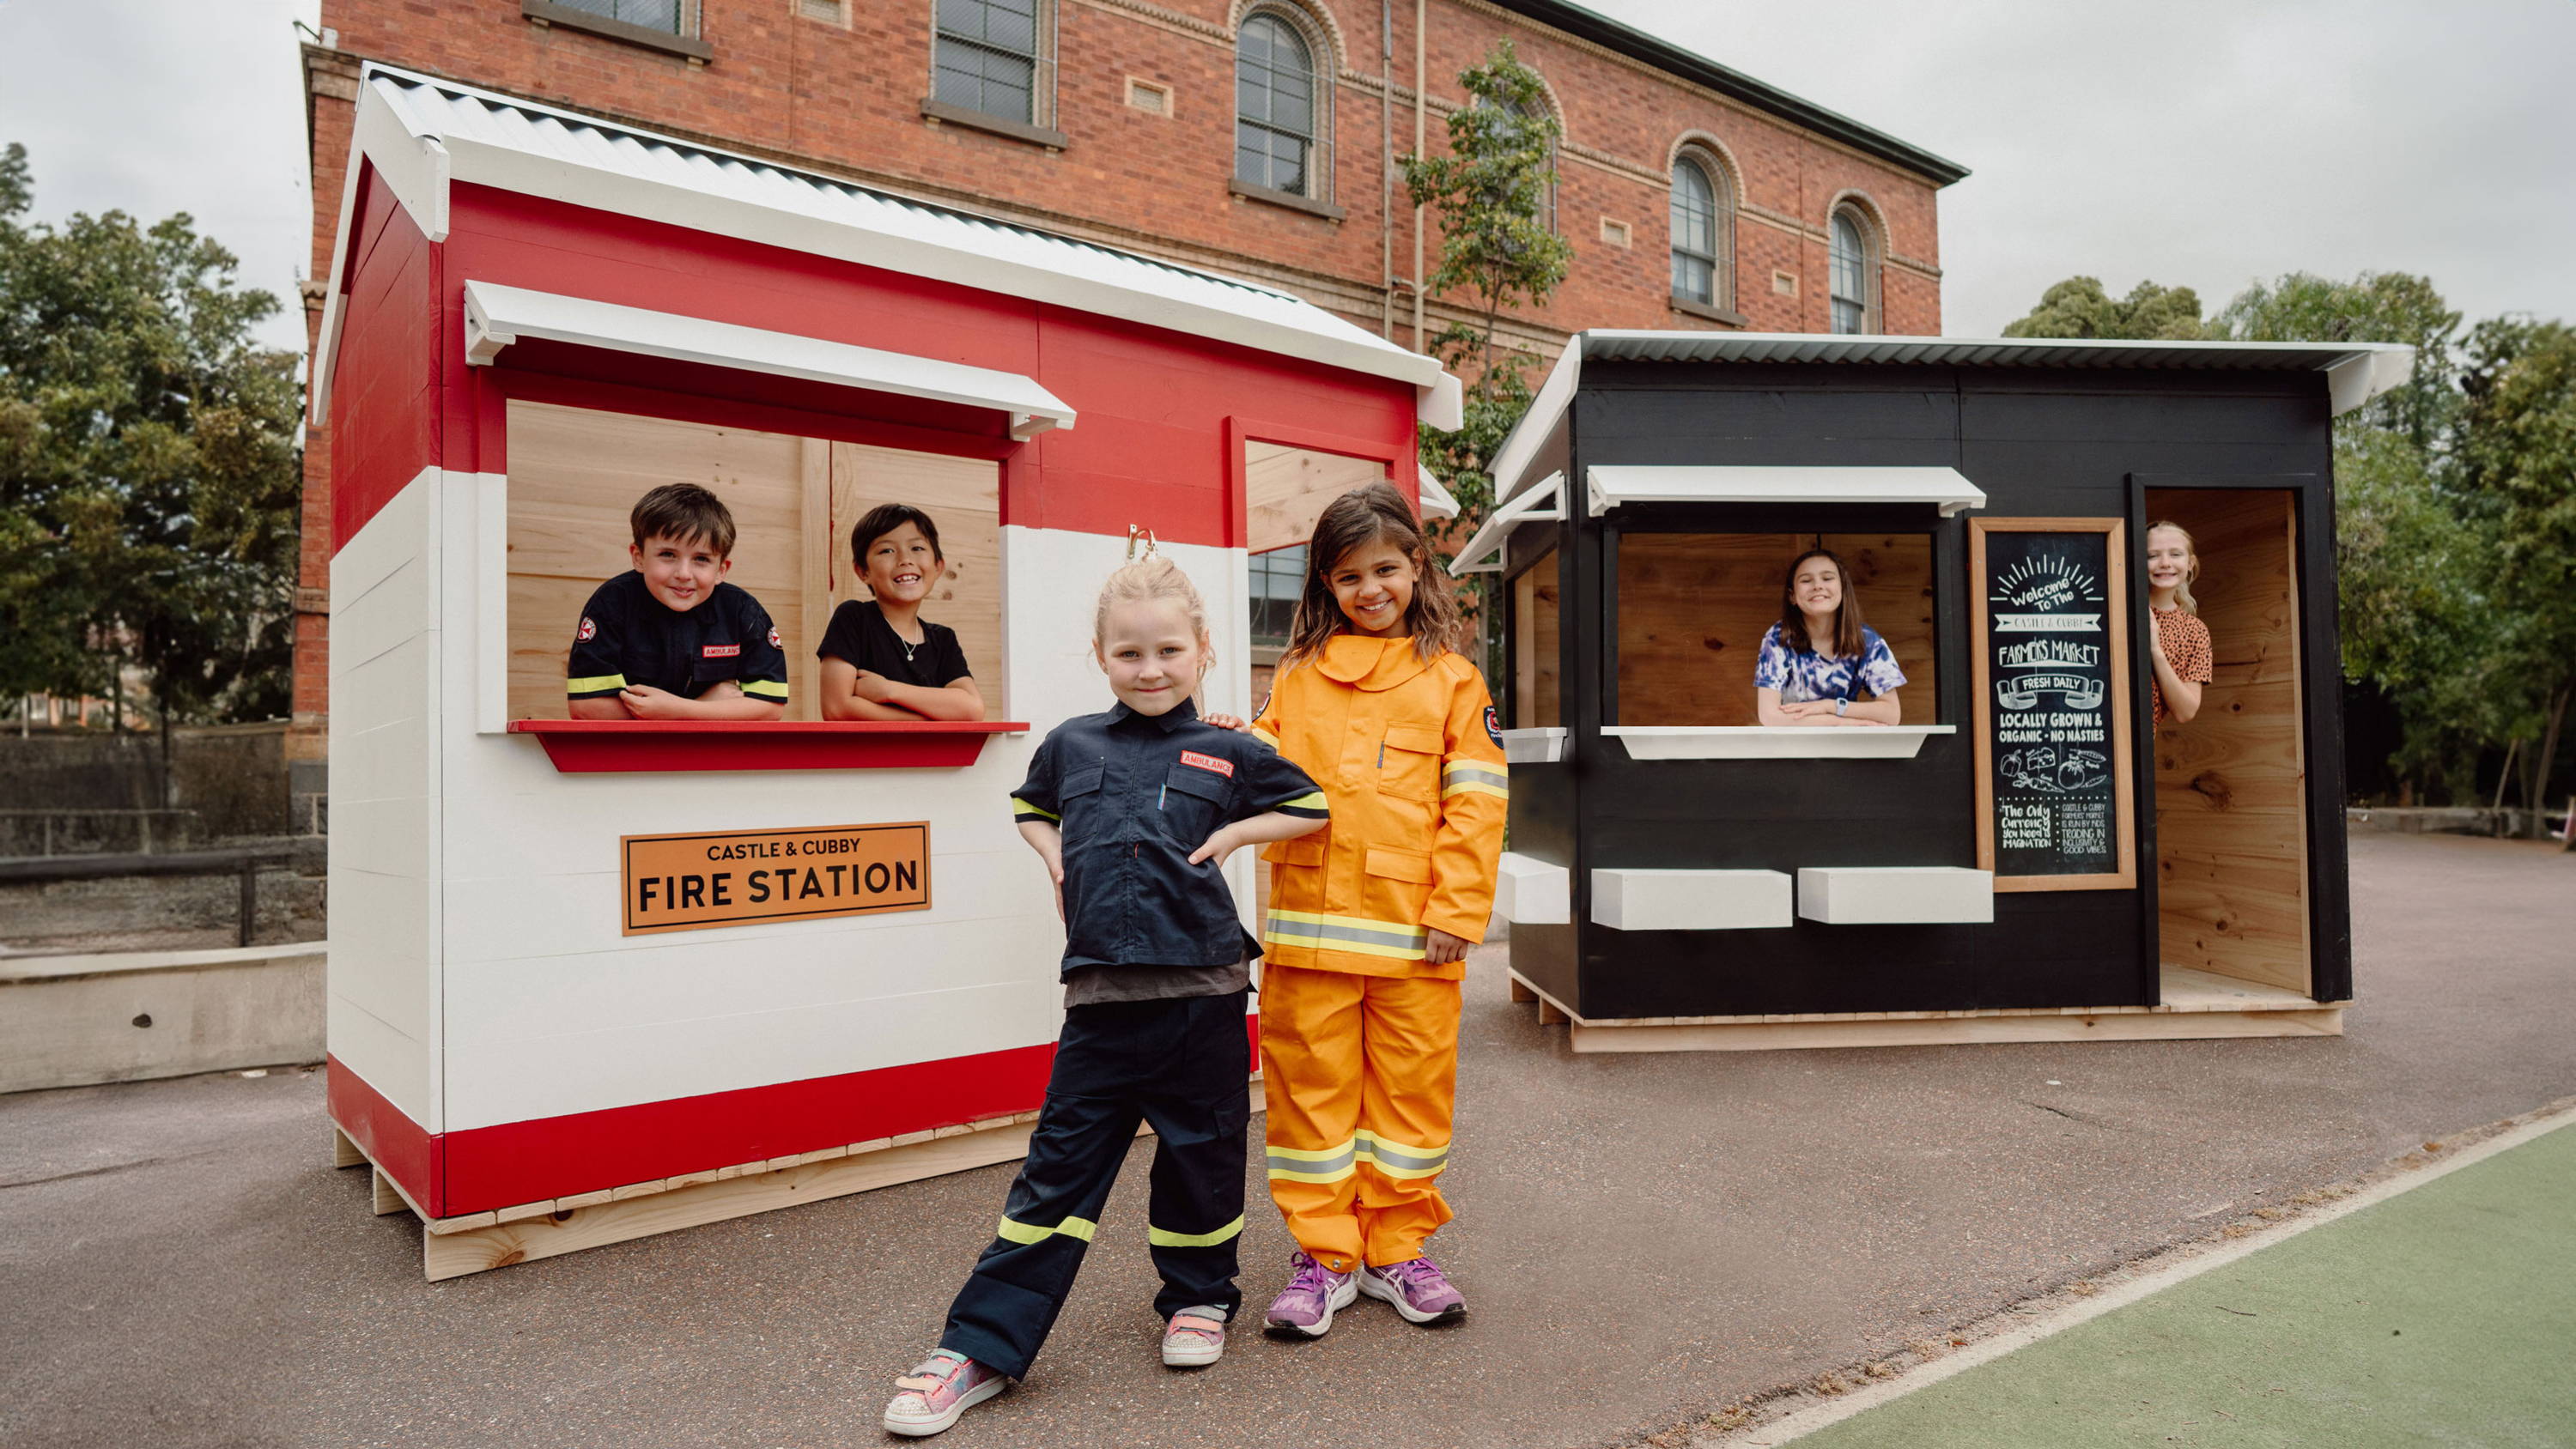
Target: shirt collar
point(1186, 712)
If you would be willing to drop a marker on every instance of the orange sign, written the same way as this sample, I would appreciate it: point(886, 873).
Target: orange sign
point(738, 877)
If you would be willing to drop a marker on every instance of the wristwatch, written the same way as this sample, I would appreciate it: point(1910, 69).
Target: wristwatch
point(1840, 706)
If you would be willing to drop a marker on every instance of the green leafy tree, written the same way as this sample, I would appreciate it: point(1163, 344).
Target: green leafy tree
point(2373, 307)
point(149, 470)
point(2517, 476)
point(2078, 307)
point(1496, 255)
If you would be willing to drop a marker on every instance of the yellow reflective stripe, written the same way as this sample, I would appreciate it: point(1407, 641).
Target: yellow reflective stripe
point(1469, 787)
point(1404, 929)
point(1162, 1238)
point(594, 684)
point(1314, 936)
point(1312, 1154)
point(1401, 1160)
point(1265, 736)
point(1469, 769)
point(1282, 1174)
point(1311, 800)
point(765, 689)
point(1019, 1232)
point(1023, 807)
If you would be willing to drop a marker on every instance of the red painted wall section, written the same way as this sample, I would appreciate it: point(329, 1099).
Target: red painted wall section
point(1148, 446)
point(399, 1147)
point(384, 386)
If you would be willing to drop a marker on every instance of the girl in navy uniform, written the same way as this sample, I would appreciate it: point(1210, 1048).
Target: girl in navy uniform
point(1134, 812)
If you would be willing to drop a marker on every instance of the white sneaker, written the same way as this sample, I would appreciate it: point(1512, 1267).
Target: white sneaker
point(1194, 1338)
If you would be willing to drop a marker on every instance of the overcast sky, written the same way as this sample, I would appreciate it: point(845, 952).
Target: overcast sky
point(2204, 143)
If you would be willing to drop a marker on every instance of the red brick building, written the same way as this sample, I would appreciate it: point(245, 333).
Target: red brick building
point(1248, 137)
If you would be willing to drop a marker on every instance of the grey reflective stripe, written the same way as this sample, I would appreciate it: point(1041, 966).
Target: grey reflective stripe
point(1476, 774)
point(1386, 1156)
point(1339, 1162)
point(1316, 930)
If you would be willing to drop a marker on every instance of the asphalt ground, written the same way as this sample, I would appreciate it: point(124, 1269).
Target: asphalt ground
point(2443, 1315)
point(1645, 1239)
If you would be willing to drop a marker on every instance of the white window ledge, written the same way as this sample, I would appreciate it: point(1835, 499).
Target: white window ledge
point(1760, 742)
point(1541, 746)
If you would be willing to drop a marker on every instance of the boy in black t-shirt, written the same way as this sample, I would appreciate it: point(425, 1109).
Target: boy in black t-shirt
point(881, 659)
point(669, 639)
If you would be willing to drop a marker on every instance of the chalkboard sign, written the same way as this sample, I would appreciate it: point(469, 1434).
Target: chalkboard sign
point(2052, 718)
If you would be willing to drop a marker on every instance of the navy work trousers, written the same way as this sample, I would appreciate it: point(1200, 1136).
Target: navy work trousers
point(1181, 1065)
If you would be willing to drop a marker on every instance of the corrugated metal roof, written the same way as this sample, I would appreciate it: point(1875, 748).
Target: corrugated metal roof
point(467, 134)
point(2355, 372)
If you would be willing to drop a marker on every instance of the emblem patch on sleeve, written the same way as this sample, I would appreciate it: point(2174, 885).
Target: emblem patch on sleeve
point(1208, 762)
point(1494, 726)
point(587, 632)
point(773, 636)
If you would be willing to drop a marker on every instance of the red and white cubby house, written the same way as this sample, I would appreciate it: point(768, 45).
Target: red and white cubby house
point(533, 317)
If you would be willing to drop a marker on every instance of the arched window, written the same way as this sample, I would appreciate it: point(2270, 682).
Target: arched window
point(1275, 110)
point(1854, 279)
point(1703, 233)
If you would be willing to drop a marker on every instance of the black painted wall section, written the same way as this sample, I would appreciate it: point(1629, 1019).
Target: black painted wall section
point(2040, 443)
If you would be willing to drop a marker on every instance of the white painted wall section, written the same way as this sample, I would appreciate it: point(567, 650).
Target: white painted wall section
point(1896, 895)
point(1530, 892)
point(1691, 900)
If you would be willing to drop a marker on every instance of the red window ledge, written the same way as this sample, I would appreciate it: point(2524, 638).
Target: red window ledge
point(595, 746)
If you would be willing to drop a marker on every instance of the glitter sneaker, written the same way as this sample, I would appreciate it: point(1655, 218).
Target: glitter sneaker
point(1304, 1309)
point(1194, 1338)
point(1417, 1290)
point(945, 1385)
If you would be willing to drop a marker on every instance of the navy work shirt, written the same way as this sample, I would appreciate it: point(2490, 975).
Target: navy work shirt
point(1134, 795)
point(629, 637)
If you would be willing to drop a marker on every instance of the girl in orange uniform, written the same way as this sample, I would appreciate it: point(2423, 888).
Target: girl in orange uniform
point(1369, 921)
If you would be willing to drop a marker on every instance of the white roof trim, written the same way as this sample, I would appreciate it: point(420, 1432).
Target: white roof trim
point(515, 145)
point(2355, 372)
point(1483, 551)
point(498, 316)
point(1609, 486)
point(1436, 500)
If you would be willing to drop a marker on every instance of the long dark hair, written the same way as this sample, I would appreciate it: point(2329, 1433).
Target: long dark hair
point(1366, 515)
point(1793, 624)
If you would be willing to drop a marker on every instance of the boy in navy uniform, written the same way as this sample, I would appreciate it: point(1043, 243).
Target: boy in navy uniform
point(669, 639)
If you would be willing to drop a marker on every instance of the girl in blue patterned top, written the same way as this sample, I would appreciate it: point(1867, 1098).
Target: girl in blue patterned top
point(1820, 665)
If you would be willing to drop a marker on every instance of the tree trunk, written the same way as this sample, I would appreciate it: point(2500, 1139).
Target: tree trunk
point(2548, 755)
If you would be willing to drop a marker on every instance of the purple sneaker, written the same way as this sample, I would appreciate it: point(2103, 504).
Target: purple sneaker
point(1304, 1309)
point(1417, 1289)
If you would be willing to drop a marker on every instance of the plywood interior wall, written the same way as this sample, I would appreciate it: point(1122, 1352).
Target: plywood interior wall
point(962, 496)
point(1286, 489)
point(1535, 682)
point(2231, 787)
point(575, 475)
point(1693, 608)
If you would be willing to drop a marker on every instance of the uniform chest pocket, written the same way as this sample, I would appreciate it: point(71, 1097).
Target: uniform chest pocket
point(1080, 795)
point(1192, 805)
point(1408, 764)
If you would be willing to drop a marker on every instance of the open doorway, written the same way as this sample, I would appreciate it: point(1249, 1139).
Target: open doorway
point(2231, 784)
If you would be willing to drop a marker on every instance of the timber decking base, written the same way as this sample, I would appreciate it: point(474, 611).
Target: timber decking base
point(477, 1242)
point(2195, 1005)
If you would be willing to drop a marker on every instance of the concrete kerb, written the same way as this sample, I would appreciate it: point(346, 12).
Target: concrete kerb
point(1796, 1411)
point(70, 1021)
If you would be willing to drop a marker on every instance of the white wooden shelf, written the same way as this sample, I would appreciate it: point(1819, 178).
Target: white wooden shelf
point(1761, 742)
point(1541, 746)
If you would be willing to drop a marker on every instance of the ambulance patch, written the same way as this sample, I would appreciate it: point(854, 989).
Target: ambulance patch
point(1493, 726)
point(1208, 762)
point(587, 632)
point(773, 636)
point(720, 651)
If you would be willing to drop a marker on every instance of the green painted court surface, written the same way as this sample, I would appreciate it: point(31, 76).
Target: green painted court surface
point(2443, 1316)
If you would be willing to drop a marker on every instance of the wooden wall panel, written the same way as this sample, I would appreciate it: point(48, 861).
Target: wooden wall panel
point(2231, 786)
point(1693, 608)
point(1285, 490)
point(962, 496)
point(1536, 685)
point(574, 477)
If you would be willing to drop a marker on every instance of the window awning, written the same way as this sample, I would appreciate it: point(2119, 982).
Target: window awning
point(498, 316)
point(1483, 551)
point(1436, 502)
point(1610, 486)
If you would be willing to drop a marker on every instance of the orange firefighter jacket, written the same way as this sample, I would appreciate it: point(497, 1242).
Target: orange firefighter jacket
point(1411, 759)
